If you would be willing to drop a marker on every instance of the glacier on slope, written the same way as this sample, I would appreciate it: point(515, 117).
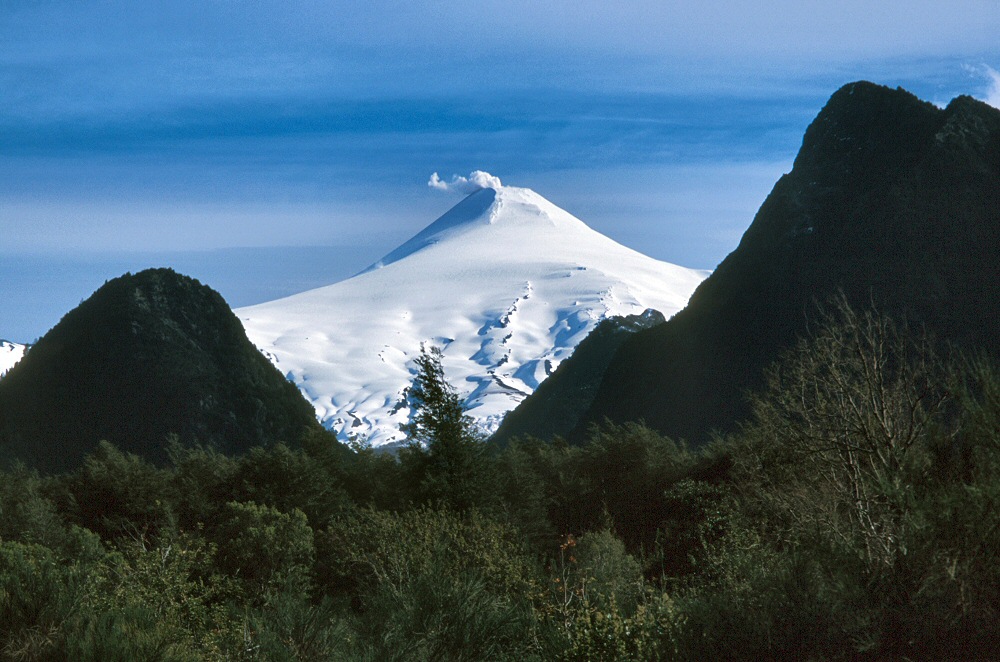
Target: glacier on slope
point(506, 284)
point(10, 353)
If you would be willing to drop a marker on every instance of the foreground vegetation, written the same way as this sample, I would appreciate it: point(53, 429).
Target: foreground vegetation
point(854, 516)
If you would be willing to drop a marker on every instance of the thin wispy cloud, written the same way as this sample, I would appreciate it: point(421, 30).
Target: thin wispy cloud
point(993, 91)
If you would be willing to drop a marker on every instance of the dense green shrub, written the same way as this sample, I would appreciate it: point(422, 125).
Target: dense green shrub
point(157, 599)
point(38, 595)
point(118, 494)
point(440, 613)
point(267, 550)
point(385, 549)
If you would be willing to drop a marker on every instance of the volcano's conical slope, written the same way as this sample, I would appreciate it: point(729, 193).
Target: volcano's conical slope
point(506, 283)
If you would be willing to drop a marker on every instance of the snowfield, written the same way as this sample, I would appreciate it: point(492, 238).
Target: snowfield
point(506, 284)
point(10, 353)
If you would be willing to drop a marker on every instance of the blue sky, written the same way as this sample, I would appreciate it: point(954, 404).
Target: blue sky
point(271, 146)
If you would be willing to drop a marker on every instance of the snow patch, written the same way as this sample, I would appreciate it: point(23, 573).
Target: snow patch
point(10, 354)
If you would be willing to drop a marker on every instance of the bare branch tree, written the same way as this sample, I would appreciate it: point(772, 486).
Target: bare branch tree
point(847, 409)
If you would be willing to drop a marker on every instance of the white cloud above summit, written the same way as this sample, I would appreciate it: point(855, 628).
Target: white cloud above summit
point(476, 181)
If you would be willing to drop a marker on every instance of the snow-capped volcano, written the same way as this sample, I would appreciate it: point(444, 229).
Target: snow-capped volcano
point(10, 353)
point(505, 283)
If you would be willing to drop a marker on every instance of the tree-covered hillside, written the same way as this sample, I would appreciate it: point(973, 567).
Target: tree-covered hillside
point(146, 356)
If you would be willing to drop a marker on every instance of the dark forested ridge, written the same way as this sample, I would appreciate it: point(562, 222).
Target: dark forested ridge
point(891, 200)
point(146, 356)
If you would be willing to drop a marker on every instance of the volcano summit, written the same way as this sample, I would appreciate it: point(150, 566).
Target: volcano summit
point(505, 283)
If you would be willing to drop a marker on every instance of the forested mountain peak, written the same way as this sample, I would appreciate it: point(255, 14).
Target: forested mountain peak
point(147, 355)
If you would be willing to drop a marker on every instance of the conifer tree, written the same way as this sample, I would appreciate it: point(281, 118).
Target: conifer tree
point(444, 452)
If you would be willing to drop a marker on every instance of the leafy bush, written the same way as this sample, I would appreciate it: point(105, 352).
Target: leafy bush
point(441, 614)
point(267, 550)
point(385, 549)
point(38, 595)
point(159, 599)
point(119, 494)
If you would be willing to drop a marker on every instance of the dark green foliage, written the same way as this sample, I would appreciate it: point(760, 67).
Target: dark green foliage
point(439, 418)
point(290, 479)
point(387, 549)
point(322, 479)
point(146, 356)
point(290, 628)
point(695, 514)
point(436, 585)
point(610, 576)
point(29, 514)
point(203, 480)
point(371, 478)
point(892, 201)
point(523, 486)
point(445, 462)
point(619, 479)
point(441, 615)
point(627, 470)
point(118, 494)
point(37, 596)
point(133, 633)
point(267, 550)
point(857, 517)
point(845, 428)
point(155, 599)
